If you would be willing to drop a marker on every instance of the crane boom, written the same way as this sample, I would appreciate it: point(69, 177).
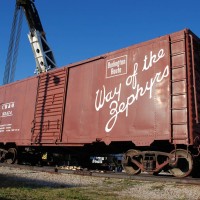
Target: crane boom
point(9, 71)
point(42, 52)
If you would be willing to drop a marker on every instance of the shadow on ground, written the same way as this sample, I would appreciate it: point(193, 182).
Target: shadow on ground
point(13, 181)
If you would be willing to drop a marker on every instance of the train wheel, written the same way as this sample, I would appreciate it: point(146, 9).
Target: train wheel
point(11, 156)
point(129, 166)
point(183, 163)
point(2, 156)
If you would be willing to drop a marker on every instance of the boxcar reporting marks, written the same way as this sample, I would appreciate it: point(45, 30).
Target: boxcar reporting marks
point(7, 109)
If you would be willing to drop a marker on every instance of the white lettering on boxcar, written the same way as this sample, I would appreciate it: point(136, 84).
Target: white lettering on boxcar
point(7, 128)
point(117, 107)
point(116, 66)
point(103, 96)
point(152, 59)
point(113, 97)
point(7, 109)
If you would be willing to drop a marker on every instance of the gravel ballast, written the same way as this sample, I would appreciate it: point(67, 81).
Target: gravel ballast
point(126, 188)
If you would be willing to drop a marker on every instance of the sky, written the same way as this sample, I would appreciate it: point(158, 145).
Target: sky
point(80, 29)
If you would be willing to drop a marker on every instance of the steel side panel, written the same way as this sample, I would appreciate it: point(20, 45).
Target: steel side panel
point(124, 97)
point(17, 111)
point(48, 121)
point(193, 61)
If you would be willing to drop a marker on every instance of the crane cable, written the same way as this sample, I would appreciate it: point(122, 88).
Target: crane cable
point(12, 53)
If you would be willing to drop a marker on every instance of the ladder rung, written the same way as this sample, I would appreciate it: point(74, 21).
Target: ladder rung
point(179, 94)
point(179, 138)
point(178, 53)
point(179, 123)
point(178, 80)
point(178, 66)
point(177, 40)
point(182, 108)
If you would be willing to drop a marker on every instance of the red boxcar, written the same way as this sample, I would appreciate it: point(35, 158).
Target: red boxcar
point(146, 95)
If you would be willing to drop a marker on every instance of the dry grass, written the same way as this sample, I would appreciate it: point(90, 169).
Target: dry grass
point(108, 189)
point(19, 190)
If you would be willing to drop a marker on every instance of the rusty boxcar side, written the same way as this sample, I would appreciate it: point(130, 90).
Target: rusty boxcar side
point(115, 97)
point(143, 95)
point(17, 111)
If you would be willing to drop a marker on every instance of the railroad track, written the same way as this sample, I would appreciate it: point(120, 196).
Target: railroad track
point(107, 174)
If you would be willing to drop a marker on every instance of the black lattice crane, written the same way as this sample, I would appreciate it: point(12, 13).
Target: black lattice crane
point(42, 52)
